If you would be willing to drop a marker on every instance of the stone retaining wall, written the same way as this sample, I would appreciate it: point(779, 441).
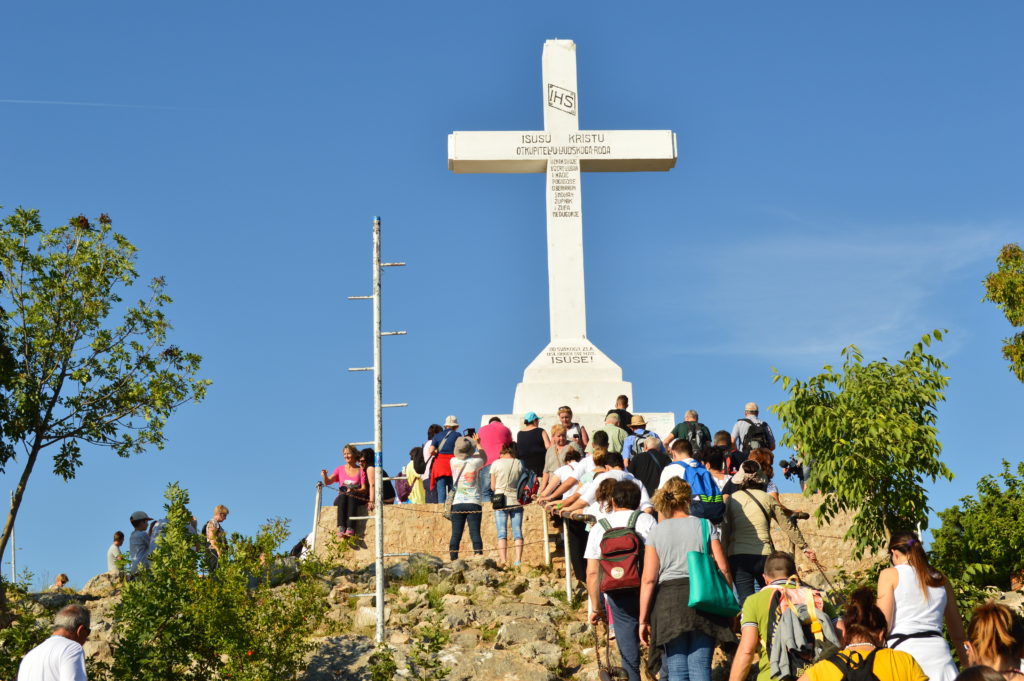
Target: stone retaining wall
point(421, 528)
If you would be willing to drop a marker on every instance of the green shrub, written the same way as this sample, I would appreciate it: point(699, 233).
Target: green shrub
point(430, 640)
point(25, 631)
point(179, 620)
point(382, 664)
point(981, 539)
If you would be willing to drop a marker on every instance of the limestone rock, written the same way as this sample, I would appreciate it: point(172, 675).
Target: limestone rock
point(494, 665)
point(481, 577)
point(54, 600)
point(481, 562)
point(404, 569)
point(102, 584)
point(518, 586)
point(534, 598)
point(338, 657)
point(366, 616)
point(466, 639)
point(98, 651)
point(513, 633)
point(456, 620)
point(454, 602)
point(548, 654)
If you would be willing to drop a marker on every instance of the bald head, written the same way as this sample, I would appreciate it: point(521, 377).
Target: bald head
point(751, 408)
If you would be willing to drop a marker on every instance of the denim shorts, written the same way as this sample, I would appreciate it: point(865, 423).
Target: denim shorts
point(501, 522)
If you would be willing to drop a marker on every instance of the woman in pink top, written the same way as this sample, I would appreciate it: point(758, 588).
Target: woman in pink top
point(352, 483)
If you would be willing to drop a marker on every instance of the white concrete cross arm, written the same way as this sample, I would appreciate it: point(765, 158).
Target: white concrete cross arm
point(529, 151)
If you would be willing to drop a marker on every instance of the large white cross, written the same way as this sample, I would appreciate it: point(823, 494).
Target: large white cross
point(562, 150)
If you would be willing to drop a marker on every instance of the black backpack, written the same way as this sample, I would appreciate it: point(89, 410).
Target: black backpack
point(757, 436)
point(697, 435)
point(638, 445)
point(861, 671)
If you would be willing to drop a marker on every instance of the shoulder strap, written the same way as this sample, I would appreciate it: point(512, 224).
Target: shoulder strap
point(745, 419)
point(767, 517)
point(605, 524)
point(706, 532)
point(632, 519)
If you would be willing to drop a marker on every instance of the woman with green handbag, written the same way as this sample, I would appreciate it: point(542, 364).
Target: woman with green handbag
point(669, 626)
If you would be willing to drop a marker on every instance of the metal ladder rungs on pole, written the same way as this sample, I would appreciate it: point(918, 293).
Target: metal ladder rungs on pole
point(378, 425)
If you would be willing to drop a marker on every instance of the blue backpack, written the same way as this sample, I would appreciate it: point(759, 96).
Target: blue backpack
point(707, 502)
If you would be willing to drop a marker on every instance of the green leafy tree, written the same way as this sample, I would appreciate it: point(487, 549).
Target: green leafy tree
point(981, 539)
point(78, 376)
point(1005, 288)
point(179, 621)
point(869, 431)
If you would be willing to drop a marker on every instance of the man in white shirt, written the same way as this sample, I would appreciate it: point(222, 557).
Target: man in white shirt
point(587, 494)
point(114, 556)
point(60, 657)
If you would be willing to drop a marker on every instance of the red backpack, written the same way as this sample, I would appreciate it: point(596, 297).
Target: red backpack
point(622, 556)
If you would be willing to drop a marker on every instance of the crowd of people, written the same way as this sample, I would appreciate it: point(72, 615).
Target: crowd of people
point(692, 492)
point(146, 534)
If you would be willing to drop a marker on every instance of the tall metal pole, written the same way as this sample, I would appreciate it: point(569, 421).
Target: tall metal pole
point(378, 423)
point(13, 547)
point(316, 516)
point(378, 436)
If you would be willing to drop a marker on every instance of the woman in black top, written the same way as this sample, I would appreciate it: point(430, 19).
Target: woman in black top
point(532, 441)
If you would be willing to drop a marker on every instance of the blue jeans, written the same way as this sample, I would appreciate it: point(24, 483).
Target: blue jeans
point(459, 521)
point(501, 518)
point(688, 657)
point(485, 487)
point(443, 485)
point(624, 607)
point(748, 573)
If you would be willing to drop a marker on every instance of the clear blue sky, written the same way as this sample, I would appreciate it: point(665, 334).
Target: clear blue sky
point(846, 175)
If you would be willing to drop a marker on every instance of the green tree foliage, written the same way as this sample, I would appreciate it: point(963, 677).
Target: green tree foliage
point(23, 631)
point(78, 376)
point(981, 539)
point(1005, 288)
point(178, 621)
point(869, 431)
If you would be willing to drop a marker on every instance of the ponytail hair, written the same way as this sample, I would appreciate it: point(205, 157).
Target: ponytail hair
point(996, 631)
point(674, 495)
point(862, 618)
point(909, 544)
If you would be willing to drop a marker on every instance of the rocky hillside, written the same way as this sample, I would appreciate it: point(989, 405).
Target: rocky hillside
point(463, 619)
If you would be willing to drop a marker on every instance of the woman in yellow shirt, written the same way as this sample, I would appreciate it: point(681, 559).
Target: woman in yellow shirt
point(414, 476)
point(865, 628)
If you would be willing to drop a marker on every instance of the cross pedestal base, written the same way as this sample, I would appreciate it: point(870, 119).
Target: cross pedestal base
point(574, 373)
